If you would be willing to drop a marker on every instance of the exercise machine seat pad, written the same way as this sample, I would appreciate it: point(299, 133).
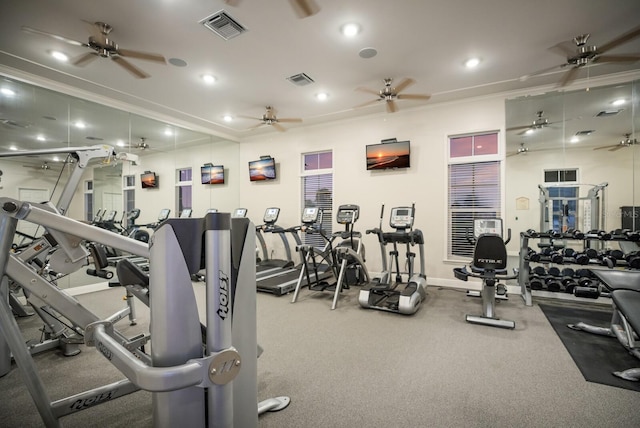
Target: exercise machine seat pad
point(490, 253)
point(130, 274)
point(618, 279)
point(628, 303)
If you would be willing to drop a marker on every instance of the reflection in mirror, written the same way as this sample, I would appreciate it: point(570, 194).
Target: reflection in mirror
point(34, 118)
point(570, 159)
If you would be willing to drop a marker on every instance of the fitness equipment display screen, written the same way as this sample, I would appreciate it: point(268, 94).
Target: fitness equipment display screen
point(212, 174)
point(389, 155)
point(484, 226)
point(164, 214)
point(271, 215)
point(401, 218)
point(186, 213)
point(240, 213)
point(149, 180)
point(262, 169)
point(310, 215)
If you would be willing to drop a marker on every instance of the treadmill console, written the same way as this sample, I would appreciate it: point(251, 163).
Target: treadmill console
point(486, 226)
point(239, 213)
point(310, 215)
point(271, 215)
point(111, 216)
point(164, 214)
point(347, 214)
point(186, 213)
point(401, 218)
point(211, 210)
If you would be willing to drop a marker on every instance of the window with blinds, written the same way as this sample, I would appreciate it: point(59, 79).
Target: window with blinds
point(183, 189)
point(474, 189)
point(317, 191)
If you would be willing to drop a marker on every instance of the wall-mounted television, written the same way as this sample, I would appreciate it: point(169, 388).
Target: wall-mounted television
point(149, 180)
point(262, 169)
point(395, 154)
point(212, 174)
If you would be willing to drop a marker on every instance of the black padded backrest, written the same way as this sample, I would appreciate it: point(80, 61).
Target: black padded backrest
point(490, 253)
point(99, 255)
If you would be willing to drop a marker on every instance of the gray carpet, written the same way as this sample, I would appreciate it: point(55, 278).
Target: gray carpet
point(354, 368)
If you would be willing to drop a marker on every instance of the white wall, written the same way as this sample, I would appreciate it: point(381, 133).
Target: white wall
point(425, 183)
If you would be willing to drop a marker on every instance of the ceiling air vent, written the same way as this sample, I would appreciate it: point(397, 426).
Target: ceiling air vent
point(300, 79)
point(223, 25)
point(607, 113)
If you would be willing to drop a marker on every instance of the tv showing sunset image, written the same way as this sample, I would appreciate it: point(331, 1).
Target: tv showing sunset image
point(388, 155)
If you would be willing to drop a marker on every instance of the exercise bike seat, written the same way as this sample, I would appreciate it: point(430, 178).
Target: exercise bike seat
point(618, 279)
point(130, 274)
point(628, 303)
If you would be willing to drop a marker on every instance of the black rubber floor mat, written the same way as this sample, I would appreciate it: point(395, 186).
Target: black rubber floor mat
point(597, 357)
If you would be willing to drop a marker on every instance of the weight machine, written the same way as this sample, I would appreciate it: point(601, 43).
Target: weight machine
point(562, 212)
point(186, 359)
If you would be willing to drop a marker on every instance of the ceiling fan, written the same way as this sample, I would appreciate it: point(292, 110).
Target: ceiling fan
point(579, 55)
point(302, 8)
point(539, 123)
point(104, 47)
point(269, 118)
point(626, 142)
point(522, 149)
point(12, 124)
point(390, 94)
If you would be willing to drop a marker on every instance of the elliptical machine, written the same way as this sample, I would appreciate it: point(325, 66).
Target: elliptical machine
point(489, 264)
point(382, 293)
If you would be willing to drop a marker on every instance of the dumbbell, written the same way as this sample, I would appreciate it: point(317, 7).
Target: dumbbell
point(600, 234)
point(633, 259)
point(568, 280)
point(536, 279)
point(582, 258)
point(533, 255)
point(575, 234)
point(553, 280)
point(554, 233)
point(531, 233)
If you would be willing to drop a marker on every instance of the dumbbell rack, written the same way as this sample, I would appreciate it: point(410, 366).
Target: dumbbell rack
point(590, 241)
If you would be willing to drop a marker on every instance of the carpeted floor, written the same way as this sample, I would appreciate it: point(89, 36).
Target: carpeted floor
point(354, 367)
point(596, 356)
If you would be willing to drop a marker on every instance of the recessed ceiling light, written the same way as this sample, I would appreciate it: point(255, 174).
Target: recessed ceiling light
point(59, 56)
point(208, 78)
point(619, 102)
point(56, 159)
point(322, 96)
point(14, 148)
point(120, 143)
point(227, 118)
point(81, 125)
point(350, 30)
point(168, 132)
point(7, 92)
point(40, 138)
point(574, 139)
point(529, 131)
point(472, 62)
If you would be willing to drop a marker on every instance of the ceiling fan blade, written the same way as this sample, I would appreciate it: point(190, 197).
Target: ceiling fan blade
point(278, 126)
point(513, 154)
point(368, 103)
point(568, 77)
point(130, 67)
point(257, 125)
point(605, 147)
point(391, 107)
point(567, 48)
point(147, 56)
point(85, 59)
point(623, 38)
point(290, 120)
point(404, 84)
point(413, 97)
point(55, 36)
point(232, 2)
point(368, 91)
point(618, 58)
point(617, 147)
point(543, 71)
point(519, 128)
point(304, 8)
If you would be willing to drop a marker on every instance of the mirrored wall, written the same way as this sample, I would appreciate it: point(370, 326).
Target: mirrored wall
point(572, 160)
point(34, 119)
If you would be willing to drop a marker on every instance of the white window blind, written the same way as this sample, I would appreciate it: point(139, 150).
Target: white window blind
point(317, 191)
point(474, 192)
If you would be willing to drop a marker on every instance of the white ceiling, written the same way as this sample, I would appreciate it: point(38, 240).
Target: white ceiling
point(425, 40)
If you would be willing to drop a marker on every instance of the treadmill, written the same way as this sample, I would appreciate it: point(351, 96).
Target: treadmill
point(285, 279)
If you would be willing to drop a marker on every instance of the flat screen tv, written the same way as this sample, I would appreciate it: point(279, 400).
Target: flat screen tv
point(388, 155)
point(212, 174)
point(149, 180)
point(263, 169)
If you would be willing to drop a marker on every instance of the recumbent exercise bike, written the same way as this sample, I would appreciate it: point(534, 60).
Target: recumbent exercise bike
point(489, 264)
